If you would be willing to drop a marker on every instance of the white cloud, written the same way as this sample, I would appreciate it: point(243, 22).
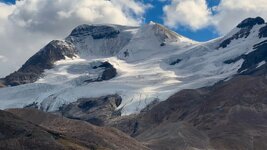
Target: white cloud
point(191, 13)
point(50, 15)
point(195, 14)
point(5, 10)
point(232, 12)
point(30, 24)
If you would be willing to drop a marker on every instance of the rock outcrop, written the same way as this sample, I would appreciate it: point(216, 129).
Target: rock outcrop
point(96, 31)
point(108, 73)
point(250, 22)
point(97, 111)
point(252, 61)
point(44, 59)
point(244, 30)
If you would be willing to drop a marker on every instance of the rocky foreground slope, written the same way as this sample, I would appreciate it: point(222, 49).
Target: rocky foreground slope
point(33, 129)
point(229, 116)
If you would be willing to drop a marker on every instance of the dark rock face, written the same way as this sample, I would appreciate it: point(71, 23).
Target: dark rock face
point(175, 62)
point(233, 60)
point(243, 33)
point(245, 28)
point(97, 32)
point(108, 73)
point(44, 59)
point(33, 105)
point(126, 53)
point(162, 44)
point(263, 32)
point(94, 110)
point(250, 22)
point(254, 58)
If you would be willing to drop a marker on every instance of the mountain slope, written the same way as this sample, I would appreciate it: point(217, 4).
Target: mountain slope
point(228, 115)
point(149, 63)
point(44, 59)
point(19, 134)
point(48, 131)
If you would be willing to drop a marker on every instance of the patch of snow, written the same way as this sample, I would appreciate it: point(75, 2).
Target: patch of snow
point(261, 64)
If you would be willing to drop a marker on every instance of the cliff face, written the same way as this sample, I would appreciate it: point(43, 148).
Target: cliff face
point(33, 69)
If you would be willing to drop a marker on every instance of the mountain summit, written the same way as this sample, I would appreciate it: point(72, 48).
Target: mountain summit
point(250, 22)
point(140, 64)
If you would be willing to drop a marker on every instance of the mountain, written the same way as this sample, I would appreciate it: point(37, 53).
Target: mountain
point(140, 64)
point(163, 89)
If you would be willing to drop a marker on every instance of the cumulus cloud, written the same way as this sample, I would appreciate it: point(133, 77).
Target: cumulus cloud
point(191, 13)
point(231, 12)
point(195, 14)
point(51, 15)
point(5, 10)
point(29, 24)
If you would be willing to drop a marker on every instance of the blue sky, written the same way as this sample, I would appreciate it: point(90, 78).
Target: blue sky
point(8, 1)
point(156, 14)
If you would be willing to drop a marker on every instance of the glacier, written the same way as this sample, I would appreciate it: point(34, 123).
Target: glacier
point(152, 63)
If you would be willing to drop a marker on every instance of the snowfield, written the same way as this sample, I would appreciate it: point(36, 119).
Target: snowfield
point(152, 63)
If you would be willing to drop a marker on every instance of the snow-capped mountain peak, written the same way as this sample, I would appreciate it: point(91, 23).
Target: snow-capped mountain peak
point(140, 64)
point(109, 40)
point(100, 40)
point(164, 34)
point(96, 31)
point(249, 29)
point(250, 22)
